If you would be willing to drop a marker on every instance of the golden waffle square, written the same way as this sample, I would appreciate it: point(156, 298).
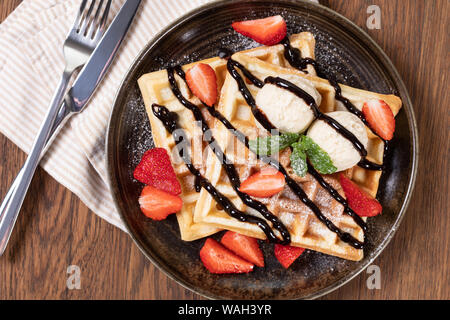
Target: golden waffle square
point(155, 88)
point(306, 230)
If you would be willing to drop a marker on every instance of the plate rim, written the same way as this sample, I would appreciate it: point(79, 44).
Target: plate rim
point(407, 106)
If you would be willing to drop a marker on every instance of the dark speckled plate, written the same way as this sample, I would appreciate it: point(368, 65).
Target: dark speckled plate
point(347, 53)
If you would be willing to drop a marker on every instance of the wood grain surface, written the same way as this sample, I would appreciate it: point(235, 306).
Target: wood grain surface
point(55, 230)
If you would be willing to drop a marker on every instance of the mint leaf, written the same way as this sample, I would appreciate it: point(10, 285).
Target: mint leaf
point(320, 160)
point(269, 145)
point(298, 159)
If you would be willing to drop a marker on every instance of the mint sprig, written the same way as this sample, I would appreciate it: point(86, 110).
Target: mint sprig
point(303, 148)
point(298, 159)
point(307, 148)
point(320, 160)
point(272, 144)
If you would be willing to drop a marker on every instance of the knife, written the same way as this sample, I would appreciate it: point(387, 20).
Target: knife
point(98, 64)
point(84, 86)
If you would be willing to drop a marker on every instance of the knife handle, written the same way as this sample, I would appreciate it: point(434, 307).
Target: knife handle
point(11, 205)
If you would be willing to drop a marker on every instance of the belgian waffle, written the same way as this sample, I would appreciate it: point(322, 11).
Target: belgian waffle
point(306, 230)
point(155, 88)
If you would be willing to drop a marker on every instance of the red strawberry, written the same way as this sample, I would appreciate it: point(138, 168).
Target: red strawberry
point(243, 246)
point(157, 204)
point(380, 118)
point(358, 200)
point(202, 81)
point(286, 255)
point(264, 184)
point(155, 169)
point(268, 31)
point(218, 259)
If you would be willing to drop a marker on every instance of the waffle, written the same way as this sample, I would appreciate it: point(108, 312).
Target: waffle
point(306, 230)
point(155, 88)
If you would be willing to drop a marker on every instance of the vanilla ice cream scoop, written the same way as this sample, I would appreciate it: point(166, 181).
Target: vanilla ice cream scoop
point(341, 151)
point(285, 110)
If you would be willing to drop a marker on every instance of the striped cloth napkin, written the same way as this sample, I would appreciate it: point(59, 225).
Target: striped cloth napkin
point(31, 62)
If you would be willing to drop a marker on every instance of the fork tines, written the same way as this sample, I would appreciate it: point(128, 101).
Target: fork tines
point(91, 25)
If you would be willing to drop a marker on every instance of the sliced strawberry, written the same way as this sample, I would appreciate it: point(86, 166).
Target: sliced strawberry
point(155, 169)
point(202, 81)
point(264, 184)
point(218, 259)
point(268, 31)
point(243, 246)
point(158, 204)
point(286, 255)
point(380, 118)
point(358, 200)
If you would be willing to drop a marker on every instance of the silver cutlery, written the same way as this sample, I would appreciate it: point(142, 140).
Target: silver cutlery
point(86, 42)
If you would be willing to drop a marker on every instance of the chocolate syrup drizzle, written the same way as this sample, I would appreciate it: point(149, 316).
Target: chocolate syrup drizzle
point(244, 139)
point(169, 120)
point(259, 115)
point(344, 236)
point(291, 183)
point(229, 168)
point(302, 94)
point(293, 56)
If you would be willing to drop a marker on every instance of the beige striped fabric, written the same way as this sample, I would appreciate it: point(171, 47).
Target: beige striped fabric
point(31, 63)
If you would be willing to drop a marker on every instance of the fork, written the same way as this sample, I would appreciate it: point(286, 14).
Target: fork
point(81, 41)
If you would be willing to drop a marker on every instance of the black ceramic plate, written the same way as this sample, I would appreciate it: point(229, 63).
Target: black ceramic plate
point(346, 53)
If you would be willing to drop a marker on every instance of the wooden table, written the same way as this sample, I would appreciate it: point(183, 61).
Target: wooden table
point(56, 230)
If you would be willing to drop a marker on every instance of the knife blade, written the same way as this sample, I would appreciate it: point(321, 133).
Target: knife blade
point(95, 69)
point(102, 57)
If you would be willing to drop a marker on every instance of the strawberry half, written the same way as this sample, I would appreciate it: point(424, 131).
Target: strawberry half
point(286, 255)
point(268, 31)
point(202, 81)
point(157, 204)
point(380, 118)
point(218, 259)
point(264, 184)
point(358, 200)
point(243, 246)
point(155, 169)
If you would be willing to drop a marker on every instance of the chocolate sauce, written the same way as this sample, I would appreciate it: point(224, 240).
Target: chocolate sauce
point(369, 165)
point(216, 114)
point(337, 197)
point(197, 185)
point(346, 237)
point(282, 83)
point(300, 193)
point(169, 120)
point(365, 164)
point(229, 168)
point(298, 190)
point(259, 115)
point(294, 57)
point(348, 105)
